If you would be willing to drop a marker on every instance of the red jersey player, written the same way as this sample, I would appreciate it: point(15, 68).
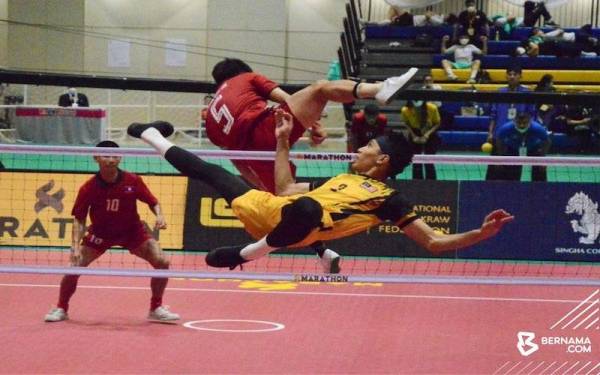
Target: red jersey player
point(110, 197)
point(240, 119)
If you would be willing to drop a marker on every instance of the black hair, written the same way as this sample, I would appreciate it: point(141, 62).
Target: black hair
point(400, 151)
point(229, 68)
point(107, 143)
point(544, 83)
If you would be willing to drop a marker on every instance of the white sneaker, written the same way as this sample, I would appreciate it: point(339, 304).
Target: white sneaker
point(57, 314)
point(392, 85)
point(330, 261)
point(162, 314)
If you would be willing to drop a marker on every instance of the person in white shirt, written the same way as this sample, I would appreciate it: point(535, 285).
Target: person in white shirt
point(463, 56)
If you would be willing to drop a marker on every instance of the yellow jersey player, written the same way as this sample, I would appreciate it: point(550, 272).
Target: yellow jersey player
point(301, 214)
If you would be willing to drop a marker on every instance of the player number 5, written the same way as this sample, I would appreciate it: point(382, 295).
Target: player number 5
point(221, 113)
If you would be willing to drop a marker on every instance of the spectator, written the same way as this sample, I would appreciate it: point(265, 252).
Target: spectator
point(505, 25)
point(521, 136)
point(546, 112)
point(556, 42)
point(463, 57)
point(423, 121)
point(366, 125)
point(73, 99)
point(534, 10)
point(501, 113)
point(401, 17)
point(579, 126)
point(472, 22)
point(429, 84)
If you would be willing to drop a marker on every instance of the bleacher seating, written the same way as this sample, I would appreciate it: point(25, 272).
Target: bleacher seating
point(388, 51)
point(540, 62)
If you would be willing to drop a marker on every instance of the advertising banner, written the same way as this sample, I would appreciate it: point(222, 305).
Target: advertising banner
point(35, 208)
point(553, 221)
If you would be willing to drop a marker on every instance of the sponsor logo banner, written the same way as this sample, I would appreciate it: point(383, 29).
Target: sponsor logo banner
point(553, 221)
point(35, 208)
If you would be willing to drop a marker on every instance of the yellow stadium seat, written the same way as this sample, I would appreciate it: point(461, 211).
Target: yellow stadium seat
point(529, 76)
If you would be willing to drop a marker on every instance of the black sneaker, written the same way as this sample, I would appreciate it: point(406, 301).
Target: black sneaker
point(227, 256)
point(551, 23)
point(135, 130)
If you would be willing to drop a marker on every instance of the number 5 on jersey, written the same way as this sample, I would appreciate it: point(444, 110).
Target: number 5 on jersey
point(221, 113)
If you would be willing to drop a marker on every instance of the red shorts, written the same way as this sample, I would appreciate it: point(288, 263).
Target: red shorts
point(131, 241)
point(262, 138)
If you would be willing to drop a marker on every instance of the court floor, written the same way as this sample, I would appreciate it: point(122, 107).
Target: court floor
point(235, 326)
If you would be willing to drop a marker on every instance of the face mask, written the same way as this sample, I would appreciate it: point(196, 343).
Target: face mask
point(463, 42)
point(418, 103)
point(522, 130)
point(471, 9)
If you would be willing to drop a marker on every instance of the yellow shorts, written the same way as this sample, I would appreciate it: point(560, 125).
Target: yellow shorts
point(260, 212)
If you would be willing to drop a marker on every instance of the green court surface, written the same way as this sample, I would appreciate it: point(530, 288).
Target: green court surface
point(156, 165)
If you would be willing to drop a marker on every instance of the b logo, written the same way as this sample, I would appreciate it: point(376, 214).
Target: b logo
point(526, 345)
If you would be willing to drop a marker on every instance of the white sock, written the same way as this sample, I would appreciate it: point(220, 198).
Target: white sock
point(155, 139)
point(257, 249)
point(449, 72)
point(473, 74)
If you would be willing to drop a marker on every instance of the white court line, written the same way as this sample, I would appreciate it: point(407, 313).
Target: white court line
point(535, 368)
point(297, 293)
point(581, 313)
point(575, 309)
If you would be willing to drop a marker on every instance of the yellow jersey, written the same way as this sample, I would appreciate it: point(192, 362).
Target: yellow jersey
point(351, 204)
point(412, 117)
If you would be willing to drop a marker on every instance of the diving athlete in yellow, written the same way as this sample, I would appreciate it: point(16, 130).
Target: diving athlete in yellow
point(301, 214)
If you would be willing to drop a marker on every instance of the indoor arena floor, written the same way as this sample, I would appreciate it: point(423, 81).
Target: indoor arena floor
point(234, 326)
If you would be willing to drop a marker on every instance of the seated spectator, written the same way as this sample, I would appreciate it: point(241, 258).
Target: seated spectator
point(429, 84)
point(534, 10)
point(472, 22)
point(423, 121)
point(523, 137)
point(401, 17)
point(559, 43)
point(366, 125)
point(505, 25)
point(546, 112)
point(463, 57)
point(73, 99)
point(579, 125)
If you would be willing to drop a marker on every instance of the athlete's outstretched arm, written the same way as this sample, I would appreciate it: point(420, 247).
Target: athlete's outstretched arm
point(436, 242)
point(284, 181)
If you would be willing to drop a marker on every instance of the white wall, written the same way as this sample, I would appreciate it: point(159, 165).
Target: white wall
point(572, 14)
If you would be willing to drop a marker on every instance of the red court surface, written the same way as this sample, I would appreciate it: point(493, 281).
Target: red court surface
point(328, 328)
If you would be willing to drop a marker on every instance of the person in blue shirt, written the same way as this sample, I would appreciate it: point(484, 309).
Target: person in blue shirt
point(501, 113)
point(520, 137)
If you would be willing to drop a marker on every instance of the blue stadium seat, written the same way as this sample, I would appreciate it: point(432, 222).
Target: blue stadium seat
point(471, 123)
point(463, 138)
point(502, 47)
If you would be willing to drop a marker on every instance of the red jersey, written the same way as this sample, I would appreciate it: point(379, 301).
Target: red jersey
point(238, 104)
point(112, 207)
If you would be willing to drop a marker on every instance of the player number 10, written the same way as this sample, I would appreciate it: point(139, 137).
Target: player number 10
point(112, 205)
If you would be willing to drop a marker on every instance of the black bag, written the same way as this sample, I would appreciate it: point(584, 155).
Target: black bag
point(483, 76)
point(423, 40)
